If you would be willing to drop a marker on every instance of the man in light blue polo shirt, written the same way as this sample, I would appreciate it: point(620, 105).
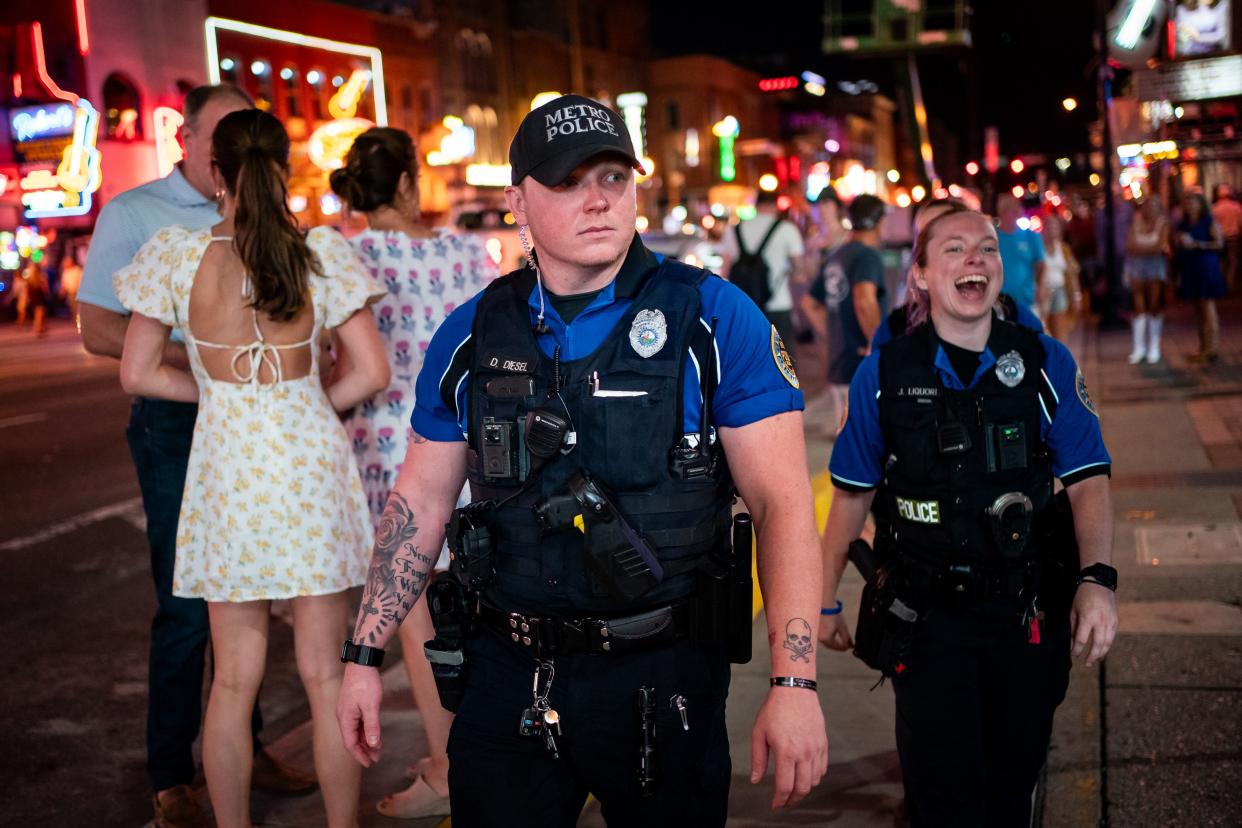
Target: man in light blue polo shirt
point(159, 434)
point(1021, 251)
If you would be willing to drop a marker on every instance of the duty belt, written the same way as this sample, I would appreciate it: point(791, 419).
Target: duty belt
point(966, 582)
point(570, 636)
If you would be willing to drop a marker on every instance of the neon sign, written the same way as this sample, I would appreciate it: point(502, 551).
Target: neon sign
point(167, 151)
point(344, 103)
point(727, 129)
point(632, 104)
point(329, 144)
point(31, 123)
point(376, 58)
point(455, 147)
point(68, 192)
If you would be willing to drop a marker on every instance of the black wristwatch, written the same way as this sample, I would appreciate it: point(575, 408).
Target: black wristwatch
point(1099, 573)
point(361, 654)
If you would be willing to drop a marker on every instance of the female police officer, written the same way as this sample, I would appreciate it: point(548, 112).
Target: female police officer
point(960, 425)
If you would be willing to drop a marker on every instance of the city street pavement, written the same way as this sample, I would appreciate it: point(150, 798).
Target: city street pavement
point(1150, 738)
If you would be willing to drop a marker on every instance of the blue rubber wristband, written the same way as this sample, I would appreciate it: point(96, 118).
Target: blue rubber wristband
point(832, 610)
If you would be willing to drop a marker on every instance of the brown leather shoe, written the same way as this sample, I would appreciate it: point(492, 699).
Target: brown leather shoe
point(279, 779)
point(177, 808)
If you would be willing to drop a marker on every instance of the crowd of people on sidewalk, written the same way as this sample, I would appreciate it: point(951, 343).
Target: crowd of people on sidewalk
point(309, 407)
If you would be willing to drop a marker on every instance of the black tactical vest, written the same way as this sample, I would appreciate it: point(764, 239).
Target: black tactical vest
point(934, 495)
point(626, 443)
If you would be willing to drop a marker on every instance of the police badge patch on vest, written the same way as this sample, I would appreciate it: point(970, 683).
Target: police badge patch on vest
point(1081, 385)
point(780, 355)
point(648, 333)
point(918, 511)
point(1010, 369)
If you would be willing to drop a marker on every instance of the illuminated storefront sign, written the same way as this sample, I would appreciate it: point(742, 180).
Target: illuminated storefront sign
point(1191, 80)
point(488, 175)
point(632, 104)
point(59, 164)
point(330, 143)
point(727, 129)
point(455, 147)
point(375, 77)
point(692, 147)
point(1151, 151)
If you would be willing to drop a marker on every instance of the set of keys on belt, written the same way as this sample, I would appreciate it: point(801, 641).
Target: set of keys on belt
point(540, 719)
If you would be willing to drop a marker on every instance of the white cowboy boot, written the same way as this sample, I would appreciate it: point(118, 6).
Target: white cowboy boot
point(1139, 328)
point(1155, 325)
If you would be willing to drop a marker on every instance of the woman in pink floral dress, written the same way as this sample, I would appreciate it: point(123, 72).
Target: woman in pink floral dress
point(426, 274)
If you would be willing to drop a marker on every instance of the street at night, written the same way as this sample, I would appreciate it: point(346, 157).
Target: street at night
point(977, 379)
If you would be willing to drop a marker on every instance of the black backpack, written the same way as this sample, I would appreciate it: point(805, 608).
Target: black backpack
point(750, 272)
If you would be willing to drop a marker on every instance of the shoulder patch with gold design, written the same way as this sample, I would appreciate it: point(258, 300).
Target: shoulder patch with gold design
point(1081, 385)
point(784, 362)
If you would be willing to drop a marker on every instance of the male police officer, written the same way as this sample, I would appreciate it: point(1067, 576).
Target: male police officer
point(574, 393)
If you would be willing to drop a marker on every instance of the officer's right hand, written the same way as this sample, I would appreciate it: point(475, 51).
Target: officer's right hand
point(357, 712)
point(834, 632)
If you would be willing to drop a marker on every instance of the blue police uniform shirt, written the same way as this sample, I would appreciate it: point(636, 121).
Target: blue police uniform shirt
point(1020, 251)
point(753, 383)
point(125, 224)
point(1024, 317)
point(1072, 435)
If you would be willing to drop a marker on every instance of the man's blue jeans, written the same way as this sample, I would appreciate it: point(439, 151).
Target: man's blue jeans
point(160, 433)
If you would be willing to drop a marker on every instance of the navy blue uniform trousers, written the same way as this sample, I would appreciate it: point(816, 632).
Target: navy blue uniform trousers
point(974, 715)
point(498, 777)
point(160, 433)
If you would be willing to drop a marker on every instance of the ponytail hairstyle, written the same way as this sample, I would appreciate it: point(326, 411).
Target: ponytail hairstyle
point(373, 167)
point(250, 148)
point(918, 303)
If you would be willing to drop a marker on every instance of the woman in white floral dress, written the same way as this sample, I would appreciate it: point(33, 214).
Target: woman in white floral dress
point(273, 505)
point(426, 275)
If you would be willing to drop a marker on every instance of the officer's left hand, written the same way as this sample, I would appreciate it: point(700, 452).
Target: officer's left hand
point(1093, 621)
point(791, 725)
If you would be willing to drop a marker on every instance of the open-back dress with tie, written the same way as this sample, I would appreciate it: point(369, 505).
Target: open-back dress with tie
point(273, 506)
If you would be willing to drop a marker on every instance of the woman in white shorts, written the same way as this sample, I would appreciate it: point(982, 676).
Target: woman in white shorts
point(1147, 272)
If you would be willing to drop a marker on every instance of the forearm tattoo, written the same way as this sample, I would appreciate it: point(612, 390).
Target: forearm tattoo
point(798, 640)
point(398, 573)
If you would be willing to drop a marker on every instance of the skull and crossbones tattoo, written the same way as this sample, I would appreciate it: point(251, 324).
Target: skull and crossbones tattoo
point(798, 640)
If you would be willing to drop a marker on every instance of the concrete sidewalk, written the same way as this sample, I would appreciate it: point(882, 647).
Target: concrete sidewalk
point(1150, 738)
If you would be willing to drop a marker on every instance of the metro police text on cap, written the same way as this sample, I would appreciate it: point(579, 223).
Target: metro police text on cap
point(578, 118)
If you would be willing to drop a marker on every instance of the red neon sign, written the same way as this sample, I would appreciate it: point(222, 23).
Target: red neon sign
point(84, 42)
point(36, 42)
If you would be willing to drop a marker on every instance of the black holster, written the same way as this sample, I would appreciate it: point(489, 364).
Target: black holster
point(449, 604)
point(724, 596)
point(886, 623)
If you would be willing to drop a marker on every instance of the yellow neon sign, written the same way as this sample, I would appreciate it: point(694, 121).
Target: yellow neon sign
point(329, 144)
point(344, 103)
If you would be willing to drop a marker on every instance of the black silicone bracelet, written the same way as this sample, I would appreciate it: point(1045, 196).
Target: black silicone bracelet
point(790, 681)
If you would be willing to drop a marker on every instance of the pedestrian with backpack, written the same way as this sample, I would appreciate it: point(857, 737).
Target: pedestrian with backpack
point(766, 251)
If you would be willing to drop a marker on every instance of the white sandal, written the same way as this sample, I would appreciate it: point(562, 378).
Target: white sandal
point(418, 800)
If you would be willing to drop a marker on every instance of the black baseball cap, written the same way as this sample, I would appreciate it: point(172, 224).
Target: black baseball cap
point(555, 138)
